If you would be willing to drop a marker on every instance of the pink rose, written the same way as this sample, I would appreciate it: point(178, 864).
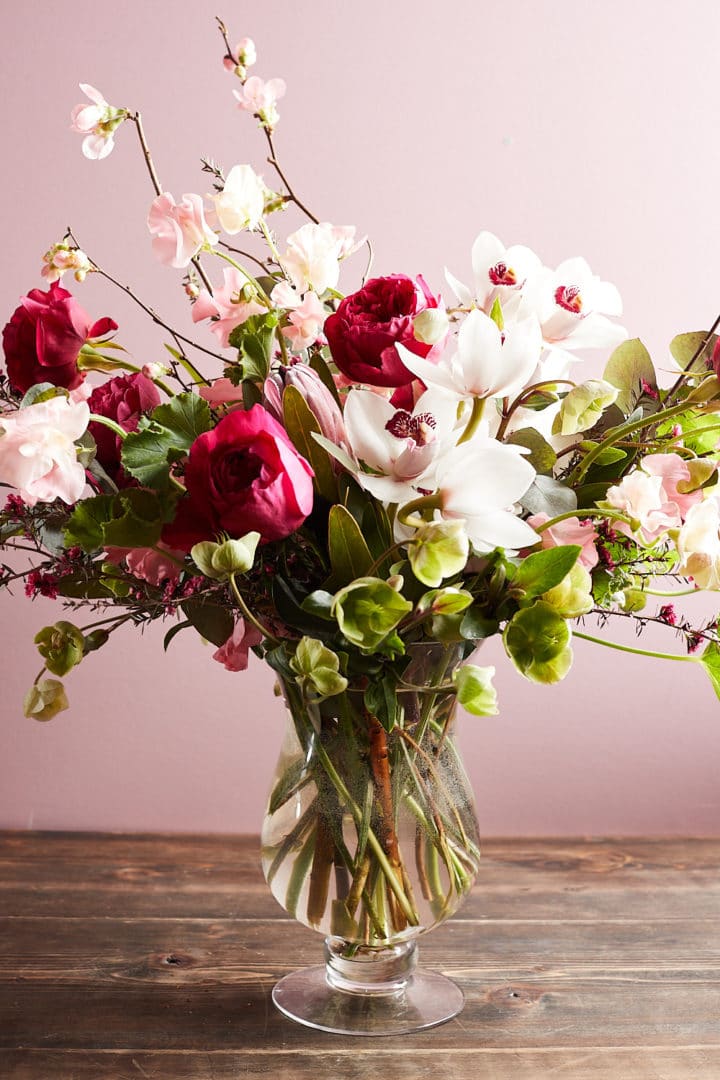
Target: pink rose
point(243, 476)
point(368, 324)
point(44, 337)
point(233, 655)
point(123, 399)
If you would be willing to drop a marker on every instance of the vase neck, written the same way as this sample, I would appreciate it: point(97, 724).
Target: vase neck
point(378, 971)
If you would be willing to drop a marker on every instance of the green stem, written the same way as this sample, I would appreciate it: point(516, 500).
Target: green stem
point(248, 613)
point(476, 415)
point(611, 515)
point(108, 423)
point(627, 429)
point(524, 396)
point(671, 592)
point(634, 651)
point(262, 295)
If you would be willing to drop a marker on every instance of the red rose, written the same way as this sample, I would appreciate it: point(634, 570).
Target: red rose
point(243, 476)
point(44, 337)
point(368, 324)
point(123, 399)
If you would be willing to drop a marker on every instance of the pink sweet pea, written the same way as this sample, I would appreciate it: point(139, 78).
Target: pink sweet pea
point(149, 564)
point(179, 230)
point(227, 307)
point(672, 470)
point(221, 392)
point(261, 98)
point(306, 322)
point(233, 655)
point(650, 495)
point(97, 122)
point(38, 455)
point(570, 531)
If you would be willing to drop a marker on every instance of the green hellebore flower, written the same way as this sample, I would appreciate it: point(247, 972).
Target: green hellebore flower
point(45, 699)
point(317, 669)
point(220, 560)
point(475, 691)
point(584, 406)
point(61, 646)
point(573, 595)
point(438, 550)
point(368, 610)
point(537, 640)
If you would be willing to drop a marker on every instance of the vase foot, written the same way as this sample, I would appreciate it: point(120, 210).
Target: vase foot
point(425, 1000)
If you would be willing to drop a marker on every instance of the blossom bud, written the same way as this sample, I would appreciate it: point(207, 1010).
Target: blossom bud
point(319, 400)
point(431, 325)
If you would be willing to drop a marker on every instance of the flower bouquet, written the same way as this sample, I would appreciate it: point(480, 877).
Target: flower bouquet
point(359, 488)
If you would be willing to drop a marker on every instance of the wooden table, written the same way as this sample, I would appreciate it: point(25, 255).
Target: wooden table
point(150, 956)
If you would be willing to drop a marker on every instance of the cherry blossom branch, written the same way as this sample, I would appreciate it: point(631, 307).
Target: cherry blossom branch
point(272, 160)
point(137, 120)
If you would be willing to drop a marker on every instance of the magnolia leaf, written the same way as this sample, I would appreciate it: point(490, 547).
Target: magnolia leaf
point(544, 569)
point(546, 495)
point(542, 457)
point(350, 556)
point(301, 424)
point(163, 437)
point(685, 346)
point(631, 370)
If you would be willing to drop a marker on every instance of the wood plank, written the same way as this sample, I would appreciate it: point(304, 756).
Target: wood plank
point(362, 1061)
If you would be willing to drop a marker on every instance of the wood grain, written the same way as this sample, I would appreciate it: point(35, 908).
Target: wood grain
point(132, 956)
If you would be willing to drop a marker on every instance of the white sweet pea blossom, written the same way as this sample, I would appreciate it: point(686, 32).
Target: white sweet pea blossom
point(498, 272)
point(312, 259)
point(487, 363)
point(241, 203)
point(698, 545)
point(38, 455)
point(477, 482)
point(97, 122)
point(571, 305)
point(400, 447)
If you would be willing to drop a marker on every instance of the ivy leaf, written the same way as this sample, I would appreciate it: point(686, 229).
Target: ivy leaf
point(163, 438)
point(628, 369)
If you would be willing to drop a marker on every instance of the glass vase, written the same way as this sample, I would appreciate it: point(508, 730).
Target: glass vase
point(370, 838)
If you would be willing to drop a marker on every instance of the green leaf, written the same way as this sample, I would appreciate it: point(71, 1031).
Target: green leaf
point(449, 601)
point(254, 339)
point(174, 631)
point(477, 625)
point(41, 392)
point(212, 621)
point(683, 349)
point(350, 556)
point(710, 660)
point(381, 700)
point(320, 368)
point(541, 571)
point(319, 603)
point(628, 368)
point(165, 437)
point(251, 393)
point(137, 519)
point(542, 457)
point(608, 456)
point(85, 528)
point(546, 495)
point(539, 400)
point(300, 424)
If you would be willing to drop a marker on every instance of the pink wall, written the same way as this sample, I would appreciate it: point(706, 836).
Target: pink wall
point(588, 129)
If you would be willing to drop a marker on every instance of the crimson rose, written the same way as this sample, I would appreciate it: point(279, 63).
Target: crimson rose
point(243, 476)
point(44, 337)
point(368, 324)
point(123, 399)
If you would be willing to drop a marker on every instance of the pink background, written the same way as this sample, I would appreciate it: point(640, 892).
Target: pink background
point(584, 129)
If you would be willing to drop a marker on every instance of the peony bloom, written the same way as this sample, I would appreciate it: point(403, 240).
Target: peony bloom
point(487, 363)
point(123, 399)
point(227, 307)
point(233, 655)
point(38, 455)
point(369, 325)
point(570, 531)
point(243, 476)
point(241, 203)
point(312, 259)
point(97, 122)
point(499, 273)
point(261, 98)
point(179, 230)
point(44, 337)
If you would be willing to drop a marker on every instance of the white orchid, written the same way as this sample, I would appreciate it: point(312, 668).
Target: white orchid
point(487, 363)
point(498, 272)
point(571, 304)
point(400, 447)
